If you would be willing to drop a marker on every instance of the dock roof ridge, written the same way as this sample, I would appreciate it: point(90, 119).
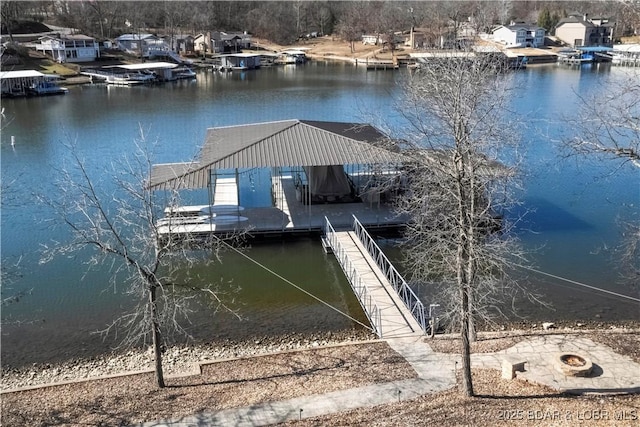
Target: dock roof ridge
point(281, 144)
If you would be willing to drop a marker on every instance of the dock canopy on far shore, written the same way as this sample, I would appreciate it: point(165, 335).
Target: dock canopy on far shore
point(287, 143)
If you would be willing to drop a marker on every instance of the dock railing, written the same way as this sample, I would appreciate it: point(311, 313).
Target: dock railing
point(367, 302)
point(406, 294)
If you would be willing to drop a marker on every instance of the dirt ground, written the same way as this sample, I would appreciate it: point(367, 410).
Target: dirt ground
point(331, 46)
point(247, 381)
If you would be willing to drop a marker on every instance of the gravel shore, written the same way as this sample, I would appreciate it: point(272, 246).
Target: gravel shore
point(177, 360)
point(315, 369)
point(303, 366)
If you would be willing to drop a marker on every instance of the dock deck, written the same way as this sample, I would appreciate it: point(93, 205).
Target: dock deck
point(288, 215)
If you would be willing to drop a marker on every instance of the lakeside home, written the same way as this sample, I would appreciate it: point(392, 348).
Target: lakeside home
point(69, 48)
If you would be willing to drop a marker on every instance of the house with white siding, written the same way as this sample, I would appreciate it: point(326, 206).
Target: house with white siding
point(519, 35)
point(69, 48)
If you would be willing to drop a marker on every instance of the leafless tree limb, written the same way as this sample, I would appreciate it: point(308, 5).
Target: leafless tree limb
point(459, 185)
point(117, 217)
point(607, 126)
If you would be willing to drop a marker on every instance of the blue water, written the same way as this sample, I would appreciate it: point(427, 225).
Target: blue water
point(570, 206)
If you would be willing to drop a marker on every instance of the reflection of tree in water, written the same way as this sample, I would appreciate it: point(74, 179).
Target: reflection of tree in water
point(10, 269)
point(606, 126)
point(9, 273)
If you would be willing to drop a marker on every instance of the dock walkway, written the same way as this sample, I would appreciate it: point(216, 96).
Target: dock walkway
point(392, 308)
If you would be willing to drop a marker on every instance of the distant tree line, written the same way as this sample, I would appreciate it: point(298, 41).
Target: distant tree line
point(287, 21)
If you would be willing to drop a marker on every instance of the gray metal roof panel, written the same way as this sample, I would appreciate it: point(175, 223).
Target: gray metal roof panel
point(285, 143)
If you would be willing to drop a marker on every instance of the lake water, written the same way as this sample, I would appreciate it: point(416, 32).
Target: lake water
point(572, 226)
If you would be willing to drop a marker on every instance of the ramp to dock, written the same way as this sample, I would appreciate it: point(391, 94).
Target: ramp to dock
point(386, 306)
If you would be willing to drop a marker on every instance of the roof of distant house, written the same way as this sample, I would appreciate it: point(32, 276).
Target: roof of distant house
point(125, 37)
point(67, 37)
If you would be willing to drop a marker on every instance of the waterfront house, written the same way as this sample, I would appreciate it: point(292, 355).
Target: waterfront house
point(69, 48)
point(220, 42)
point(580, 30)
point(519, 35)
point(141, 44)
point(180, 43)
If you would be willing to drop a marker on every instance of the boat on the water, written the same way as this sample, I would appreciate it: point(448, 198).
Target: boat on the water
point(46, 87)
point(129, 79)
point(183, 73)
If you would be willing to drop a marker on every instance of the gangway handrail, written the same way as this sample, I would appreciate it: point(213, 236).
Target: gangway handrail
point(402, 288)
point(368, 303)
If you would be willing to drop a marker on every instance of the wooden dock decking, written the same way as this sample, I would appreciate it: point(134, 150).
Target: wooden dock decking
point(391, 319)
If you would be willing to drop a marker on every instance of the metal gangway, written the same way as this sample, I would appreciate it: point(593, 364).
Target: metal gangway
point(392, 307)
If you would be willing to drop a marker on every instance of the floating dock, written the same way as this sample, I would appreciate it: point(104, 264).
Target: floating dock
point(288, 215)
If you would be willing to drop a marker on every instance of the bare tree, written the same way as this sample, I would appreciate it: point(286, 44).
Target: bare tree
point(322, 16)
point(607, 126)
point(353, 23)
point(116, 220)
point(458, 185)
point(11, 13)
point(608, 122)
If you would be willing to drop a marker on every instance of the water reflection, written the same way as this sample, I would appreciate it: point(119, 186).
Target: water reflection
point(577, 201)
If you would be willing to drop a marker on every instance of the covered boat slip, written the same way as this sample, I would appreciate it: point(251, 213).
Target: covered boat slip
point(315, 170)
point(29, 82)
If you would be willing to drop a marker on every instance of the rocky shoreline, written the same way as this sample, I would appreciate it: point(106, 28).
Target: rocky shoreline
point(182, 359)
point(177, 360)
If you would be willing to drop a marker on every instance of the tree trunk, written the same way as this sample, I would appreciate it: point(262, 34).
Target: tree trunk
point(472, 320)
point(157, 338)
point(463, 274)
point(467, 383)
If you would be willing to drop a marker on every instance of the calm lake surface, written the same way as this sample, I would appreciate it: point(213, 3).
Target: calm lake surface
point(571, 228)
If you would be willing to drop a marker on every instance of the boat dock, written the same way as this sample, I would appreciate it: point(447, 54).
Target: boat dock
point(287, 216)
point(392, 307)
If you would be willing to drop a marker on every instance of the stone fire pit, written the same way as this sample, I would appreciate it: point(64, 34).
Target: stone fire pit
point(573, 365)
